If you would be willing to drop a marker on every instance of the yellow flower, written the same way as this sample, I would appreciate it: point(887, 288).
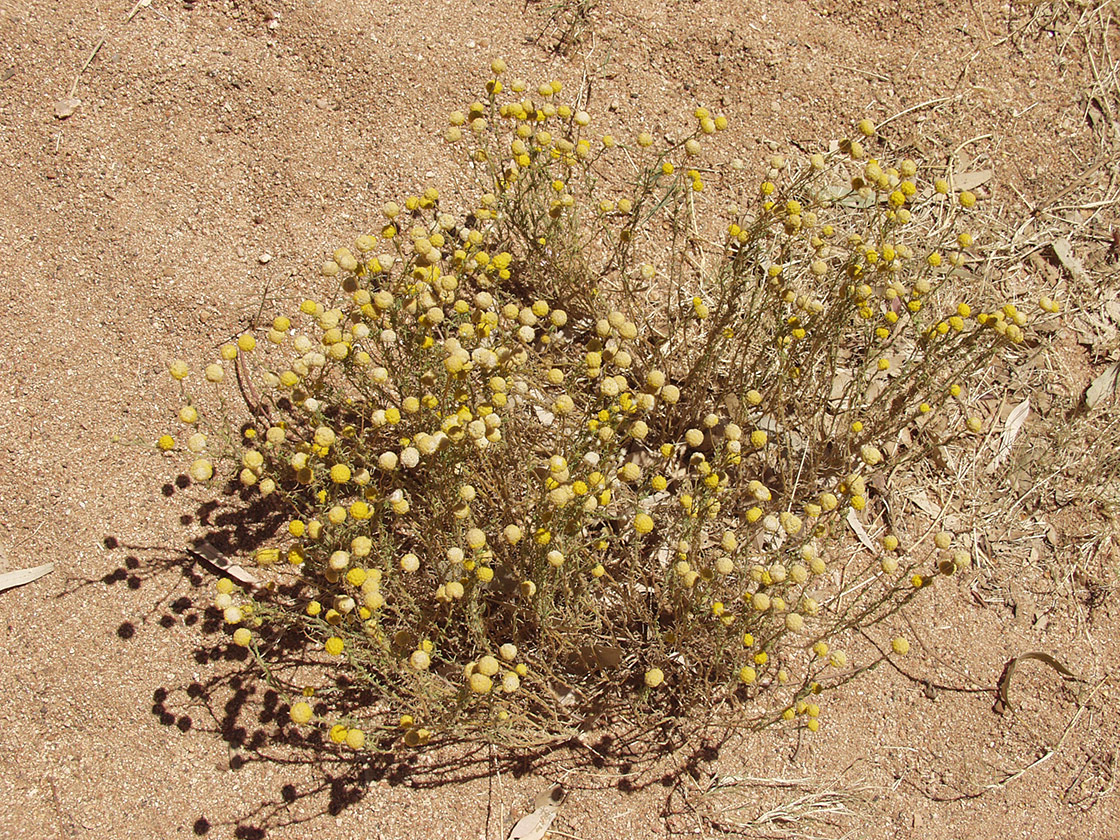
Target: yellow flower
point(643, 523)
point(654, 677)
point(334, 646)
point(300, 712)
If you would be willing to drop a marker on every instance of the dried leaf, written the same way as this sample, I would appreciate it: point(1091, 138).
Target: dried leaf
point(1103, 386)
point(22, 576)
point(971, 180)
point(861, 533)
point(544, 416)
point(1003, 702)
point(1112, 309)
point(597, 658)
point(840, 381)
point(1051, 273)
point(204, 551)
point(1063, 250)
point(1011, 428)
point(921, 500)
point(535, 825)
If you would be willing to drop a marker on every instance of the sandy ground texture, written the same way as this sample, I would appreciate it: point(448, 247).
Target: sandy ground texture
point(219, 146)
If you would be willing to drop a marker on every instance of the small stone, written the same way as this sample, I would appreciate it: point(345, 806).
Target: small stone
point(323, 103)
point(264, 258)
point(65, 107)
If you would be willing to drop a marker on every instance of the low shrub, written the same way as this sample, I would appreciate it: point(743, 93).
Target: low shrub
point(595, 450)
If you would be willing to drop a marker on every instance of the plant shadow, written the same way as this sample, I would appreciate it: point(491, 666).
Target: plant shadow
point(243, 704)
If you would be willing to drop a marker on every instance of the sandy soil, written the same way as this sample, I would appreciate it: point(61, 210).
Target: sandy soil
point(222, 146)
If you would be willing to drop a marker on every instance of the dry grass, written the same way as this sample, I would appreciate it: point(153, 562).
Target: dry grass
point(785, 808)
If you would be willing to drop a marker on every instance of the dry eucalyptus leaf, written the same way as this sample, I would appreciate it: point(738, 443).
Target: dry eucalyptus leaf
point(1003, 701)
point(1103, 386)
point(920, 499)
point(972, 180)
point(1011, 429)
point(598, 658)
point(840, 381)
point(22, 576)
point(1112, 309)
point(544, 415)
point(535, 825)
point(860, 532)
point(1063, 250)
point(215, 558)
point(1051, 273)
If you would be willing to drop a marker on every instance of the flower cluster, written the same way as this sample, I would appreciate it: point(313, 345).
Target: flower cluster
point(541, 463)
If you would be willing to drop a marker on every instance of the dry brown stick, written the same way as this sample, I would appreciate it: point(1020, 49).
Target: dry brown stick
point(89, 61)
point(1052, 199)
